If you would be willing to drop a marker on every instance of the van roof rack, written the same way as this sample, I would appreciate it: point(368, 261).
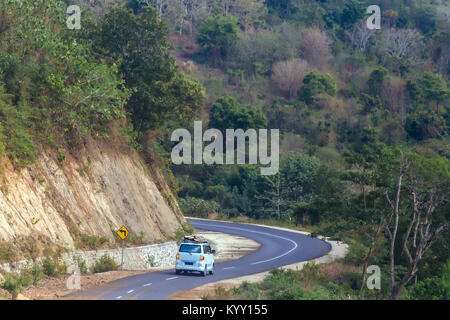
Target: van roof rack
point(195, 239)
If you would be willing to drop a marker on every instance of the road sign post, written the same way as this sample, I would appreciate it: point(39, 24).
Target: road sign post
point(123, 248)
point(123, 233)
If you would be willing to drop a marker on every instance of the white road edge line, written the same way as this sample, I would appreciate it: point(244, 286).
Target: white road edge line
point(146, 285)
point(119, 297)
point(228, 268)
point(269, 234)
point(172, 278)
point(130, 291)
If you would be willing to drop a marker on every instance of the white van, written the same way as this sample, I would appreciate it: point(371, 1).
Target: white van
point(193, 256)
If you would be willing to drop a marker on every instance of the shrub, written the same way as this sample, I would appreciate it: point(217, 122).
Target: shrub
point(6, 253)
point(52, 266)
point(198, 207)
point(36, 273)
point(151, 261)
point(282, 285)
point(81, 263)
point(14, 283)
point(357, 252)
point(106, 263)
point(435, 288)
point(188, 229)
point(136, 239)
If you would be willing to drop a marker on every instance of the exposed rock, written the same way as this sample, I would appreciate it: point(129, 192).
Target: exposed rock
point(94, 191)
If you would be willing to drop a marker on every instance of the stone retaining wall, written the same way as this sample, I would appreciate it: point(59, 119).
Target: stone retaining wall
point(154, 256)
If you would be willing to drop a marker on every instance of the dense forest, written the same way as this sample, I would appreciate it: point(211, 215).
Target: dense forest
point(363, 115)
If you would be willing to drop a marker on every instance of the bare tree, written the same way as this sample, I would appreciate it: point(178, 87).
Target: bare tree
point(159, 6)
point(193, 10)
point(226, 6)
point(426, 191)
point(288, 75)
point(181, 14)
point(316, 46)
point(359, 35)
point(247, 11)
point(402, 43)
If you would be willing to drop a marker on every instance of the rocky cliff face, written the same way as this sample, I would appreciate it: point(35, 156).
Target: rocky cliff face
point(92, 191)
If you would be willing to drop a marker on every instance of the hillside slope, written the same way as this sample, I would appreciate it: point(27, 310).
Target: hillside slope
point(93, 192)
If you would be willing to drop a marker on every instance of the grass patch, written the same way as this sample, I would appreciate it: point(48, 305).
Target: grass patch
point(136, 239)
point(88, 242)
point(7, 253)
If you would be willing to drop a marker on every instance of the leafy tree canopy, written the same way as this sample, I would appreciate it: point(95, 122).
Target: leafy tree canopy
point(140, 47)
point(316, 83)
point(217, 35)
point(228, 113)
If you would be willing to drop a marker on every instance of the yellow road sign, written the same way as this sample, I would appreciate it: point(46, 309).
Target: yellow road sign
point(123, 232)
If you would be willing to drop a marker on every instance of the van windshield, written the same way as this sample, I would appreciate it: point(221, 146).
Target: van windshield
point(192, 248)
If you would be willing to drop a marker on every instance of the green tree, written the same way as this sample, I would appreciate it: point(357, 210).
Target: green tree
point(376, 79)
point(422, 125)
point(434, 88)
point(217, 36)
point(424, 18)
point(56, 90)
point(140, 47)
point(353, 11)
point(434, 288)
point(299, 211)
point(228, 113)
point(316, 83)
point(182, 97)
point(15, 139)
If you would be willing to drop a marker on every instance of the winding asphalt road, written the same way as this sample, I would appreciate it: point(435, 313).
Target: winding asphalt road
point(278, 248)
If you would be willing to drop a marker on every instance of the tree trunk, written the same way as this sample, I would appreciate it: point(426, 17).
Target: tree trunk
point(393, 235)
point(396, 290)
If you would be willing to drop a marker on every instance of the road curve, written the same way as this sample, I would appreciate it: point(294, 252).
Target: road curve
point(278, 248)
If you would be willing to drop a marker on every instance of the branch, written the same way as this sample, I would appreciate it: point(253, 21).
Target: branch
point(432, 238)
point(408, 230)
